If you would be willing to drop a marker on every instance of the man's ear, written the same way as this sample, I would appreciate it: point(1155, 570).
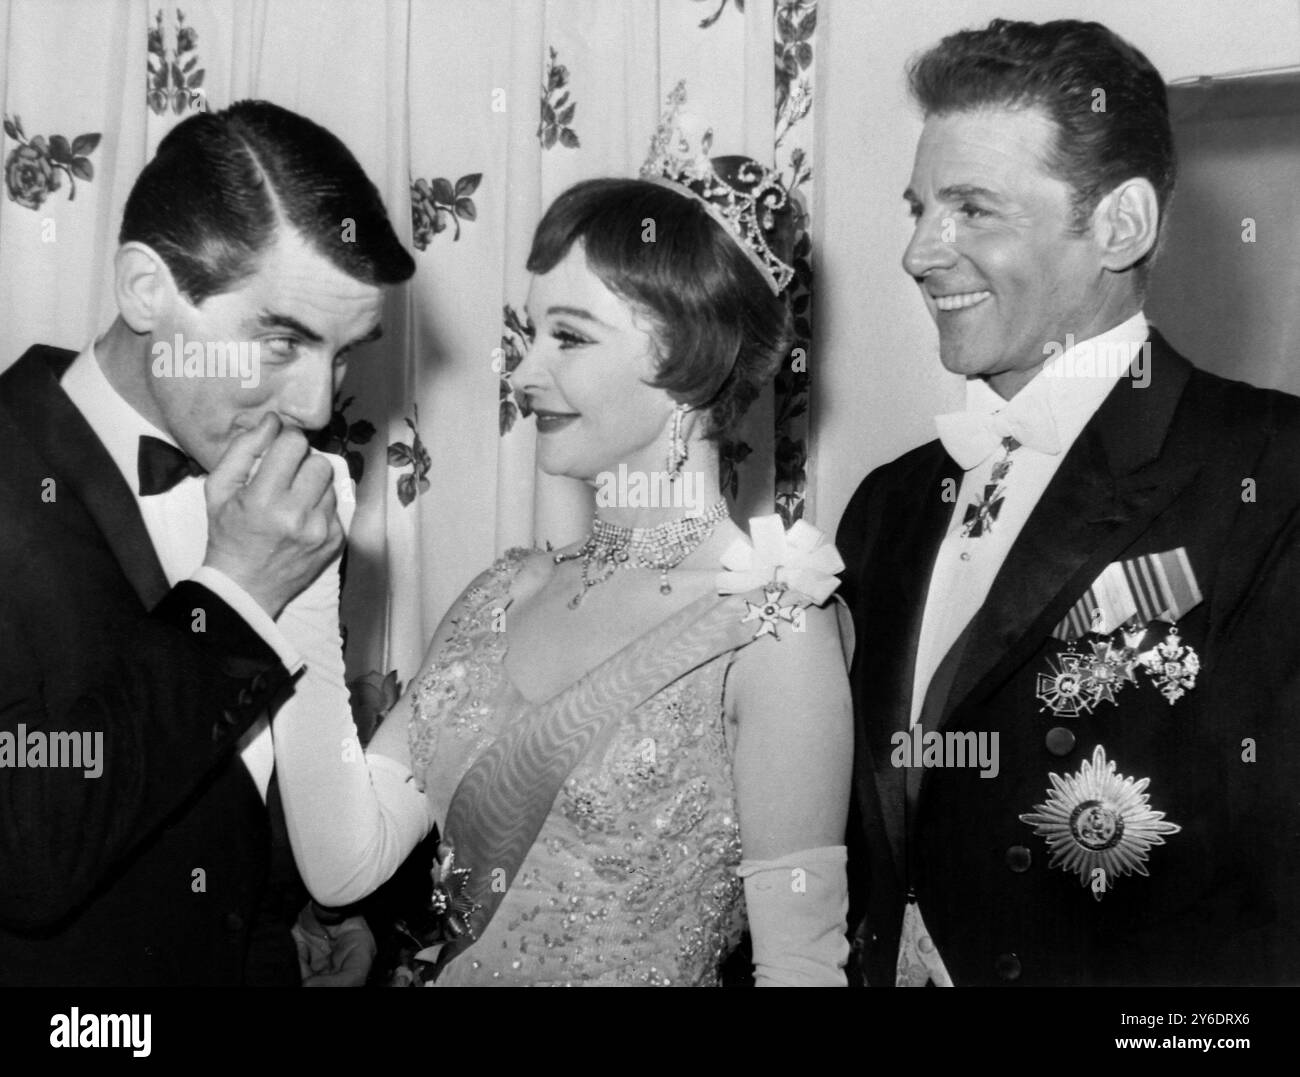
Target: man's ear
point(1126, 224)
point(143, 286)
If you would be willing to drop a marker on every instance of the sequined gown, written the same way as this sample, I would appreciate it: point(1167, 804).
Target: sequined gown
point(632, 879)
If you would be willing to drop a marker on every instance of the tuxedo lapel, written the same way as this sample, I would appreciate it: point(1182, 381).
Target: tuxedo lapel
point(1112, 483)
point(78, 460)
point(917, 516)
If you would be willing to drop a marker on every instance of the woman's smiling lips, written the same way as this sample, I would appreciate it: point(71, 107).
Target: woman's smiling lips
point(550, 421)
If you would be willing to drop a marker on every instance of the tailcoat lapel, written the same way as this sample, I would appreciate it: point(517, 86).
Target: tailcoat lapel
point(918, 517)
point(78, 460)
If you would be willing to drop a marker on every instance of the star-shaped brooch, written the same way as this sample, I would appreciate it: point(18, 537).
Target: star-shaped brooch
point(770, 612)
point(451, 899)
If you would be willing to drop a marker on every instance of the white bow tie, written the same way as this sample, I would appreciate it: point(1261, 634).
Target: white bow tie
point(970, 437)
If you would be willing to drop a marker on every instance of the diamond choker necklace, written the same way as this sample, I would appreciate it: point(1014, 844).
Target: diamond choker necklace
point(610, 547)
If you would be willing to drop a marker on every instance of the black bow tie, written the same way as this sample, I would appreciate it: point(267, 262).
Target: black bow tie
point(160, 466)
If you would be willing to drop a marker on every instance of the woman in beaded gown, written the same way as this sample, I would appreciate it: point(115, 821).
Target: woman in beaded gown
point(638, 745)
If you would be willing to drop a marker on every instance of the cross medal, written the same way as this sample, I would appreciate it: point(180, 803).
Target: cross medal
point(980, 515)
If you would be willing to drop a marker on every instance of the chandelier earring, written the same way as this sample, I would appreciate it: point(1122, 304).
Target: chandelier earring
point(677, 451)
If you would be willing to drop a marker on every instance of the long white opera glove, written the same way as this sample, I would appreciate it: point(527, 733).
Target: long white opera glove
point(352, 817)
point(356, 826)
point(798, 905)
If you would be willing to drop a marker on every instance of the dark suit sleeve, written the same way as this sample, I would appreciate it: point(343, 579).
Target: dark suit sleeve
point(168, 708)
point(1259, 681)
point(851, 536)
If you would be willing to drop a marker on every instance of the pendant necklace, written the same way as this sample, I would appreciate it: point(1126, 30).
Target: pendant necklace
point(610, 547)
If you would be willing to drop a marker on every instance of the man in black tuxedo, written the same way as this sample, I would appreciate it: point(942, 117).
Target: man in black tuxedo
point(1076, 681)
point(152, 619)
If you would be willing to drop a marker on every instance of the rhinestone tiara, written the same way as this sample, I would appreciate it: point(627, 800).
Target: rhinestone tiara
point(746, 205)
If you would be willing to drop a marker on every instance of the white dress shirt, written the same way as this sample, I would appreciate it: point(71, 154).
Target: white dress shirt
point(307, 630)
point(965, 568)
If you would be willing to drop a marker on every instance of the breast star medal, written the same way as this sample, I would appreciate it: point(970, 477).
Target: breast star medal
point(769, 613)
point(1099, 821)
point(1172, 666)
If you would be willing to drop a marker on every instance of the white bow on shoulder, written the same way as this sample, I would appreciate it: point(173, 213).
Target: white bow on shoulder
point(803, 558)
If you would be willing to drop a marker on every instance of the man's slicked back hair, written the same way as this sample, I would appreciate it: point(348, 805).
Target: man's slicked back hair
point(1059, 67)
point(221, 184)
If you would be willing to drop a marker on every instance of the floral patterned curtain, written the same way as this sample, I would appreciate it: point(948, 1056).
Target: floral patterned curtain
point(470, 118)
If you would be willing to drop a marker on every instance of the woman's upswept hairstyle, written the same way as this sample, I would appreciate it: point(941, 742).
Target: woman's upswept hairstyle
point(210, 200)
point(722, 332)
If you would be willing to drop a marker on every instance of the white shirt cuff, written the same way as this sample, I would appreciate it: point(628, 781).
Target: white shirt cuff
point(246, 606)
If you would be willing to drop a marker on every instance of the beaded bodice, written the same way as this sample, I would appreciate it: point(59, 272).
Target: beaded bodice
point(632, 878)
